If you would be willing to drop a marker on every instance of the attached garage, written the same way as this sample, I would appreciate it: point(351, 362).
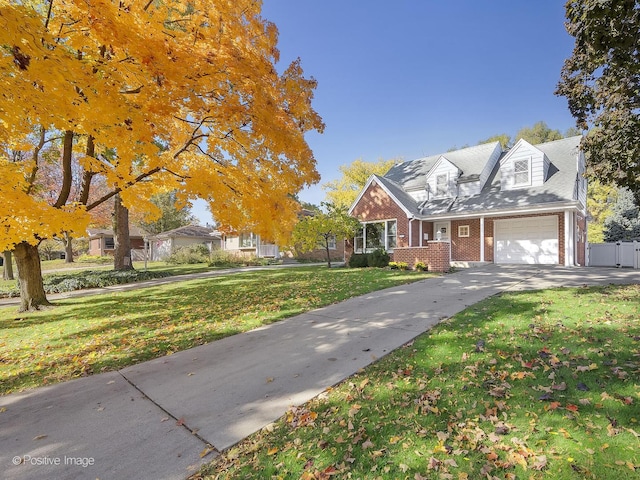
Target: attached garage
point(531, 240)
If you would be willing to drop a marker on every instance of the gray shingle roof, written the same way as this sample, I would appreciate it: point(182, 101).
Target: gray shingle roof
point(470, 161)
point(192, 231)
point(559, 186)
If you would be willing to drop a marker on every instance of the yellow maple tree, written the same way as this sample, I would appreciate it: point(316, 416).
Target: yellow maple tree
point(166, 94)
point(344, 191)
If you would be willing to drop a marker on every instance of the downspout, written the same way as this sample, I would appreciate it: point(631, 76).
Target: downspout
point(482, 238)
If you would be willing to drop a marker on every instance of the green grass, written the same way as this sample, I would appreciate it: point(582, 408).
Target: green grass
point(537, 385)
point(82, 336)
point(59, 269)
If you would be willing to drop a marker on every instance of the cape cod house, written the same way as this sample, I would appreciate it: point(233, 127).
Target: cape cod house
point(525, 205)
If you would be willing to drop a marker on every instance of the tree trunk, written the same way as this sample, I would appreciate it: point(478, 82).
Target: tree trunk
point(68, 248)
point(326, 246)
point(122, 243)
point(32, 296)
point(7, 270)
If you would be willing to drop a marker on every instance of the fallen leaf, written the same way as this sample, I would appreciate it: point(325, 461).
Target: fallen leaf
point(367, 444)
point(40, 437)
point(540, 463)
point(272, 451)
point(206, 452)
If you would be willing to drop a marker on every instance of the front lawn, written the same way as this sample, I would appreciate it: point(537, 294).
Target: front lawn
point(82, 336)
point(534, 385)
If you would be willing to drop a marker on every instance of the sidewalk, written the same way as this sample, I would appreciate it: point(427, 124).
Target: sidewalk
point(155, 419)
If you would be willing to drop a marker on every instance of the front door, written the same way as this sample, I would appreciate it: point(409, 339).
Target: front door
point(443, 228)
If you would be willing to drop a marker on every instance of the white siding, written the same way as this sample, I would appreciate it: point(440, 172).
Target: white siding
point(419, 195)
point(443, 166)
point(488, 168)
point(582, 181)
point(468, 189)
point(538, 164)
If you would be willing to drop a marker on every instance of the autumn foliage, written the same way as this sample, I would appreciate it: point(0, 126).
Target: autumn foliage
point(145, 97)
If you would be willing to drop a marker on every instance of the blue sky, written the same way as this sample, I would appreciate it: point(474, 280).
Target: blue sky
point(410, 78)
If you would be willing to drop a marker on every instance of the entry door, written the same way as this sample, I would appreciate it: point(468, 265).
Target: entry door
point(444, 228)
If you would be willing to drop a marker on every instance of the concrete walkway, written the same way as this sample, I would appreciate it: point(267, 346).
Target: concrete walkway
point(154, 420)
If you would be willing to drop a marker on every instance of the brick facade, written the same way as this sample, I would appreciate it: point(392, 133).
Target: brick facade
point(466, 248)
point(375, 204)
point(435, 255)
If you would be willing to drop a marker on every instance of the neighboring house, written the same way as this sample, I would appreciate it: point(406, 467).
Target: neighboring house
point(101, 240)
point(250, 244)
point(164, 244)
point(526, 205)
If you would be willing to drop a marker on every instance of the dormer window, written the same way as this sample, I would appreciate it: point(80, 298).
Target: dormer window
point(522, 172)
point(441, 185)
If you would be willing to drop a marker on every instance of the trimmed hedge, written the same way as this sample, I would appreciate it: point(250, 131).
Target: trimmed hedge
point(378, 258)
point(59, 283)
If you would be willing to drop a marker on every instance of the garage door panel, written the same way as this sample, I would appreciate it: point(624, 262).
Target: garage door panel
point(527, 241)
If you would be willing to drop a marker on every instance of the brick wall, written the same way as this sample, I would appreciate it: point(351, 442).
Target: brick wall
point(435, 255)
point(466, 248)
point(319, 254)
point(375, 204)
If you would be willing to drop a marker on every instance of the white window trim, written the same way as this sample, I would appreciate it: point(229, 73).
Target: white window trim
point(461, 231)
point(528, 181)
point(386, 234)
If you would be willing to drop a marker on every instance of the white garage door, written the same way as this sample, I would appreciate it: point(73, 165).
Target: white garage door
point(527, 240)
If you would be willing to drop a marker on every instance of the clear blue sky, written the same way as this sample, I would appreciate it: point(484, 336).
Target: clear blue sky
point(410, 78)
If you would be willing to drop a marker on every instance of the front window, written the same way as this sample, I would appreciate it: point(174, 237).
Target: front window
point(374, 235)
point(441, 185)
point(247, 240)
point(331, 241)
point(358, 243)
point(521, 172)
point(109, 243)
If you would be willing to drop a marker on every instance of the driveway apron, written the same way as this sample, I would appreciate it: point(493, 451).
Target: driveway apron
point(163, 418)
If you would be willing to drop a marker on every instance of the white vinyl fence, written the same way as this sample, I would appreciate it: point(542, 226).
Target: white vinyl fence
point(614, 254)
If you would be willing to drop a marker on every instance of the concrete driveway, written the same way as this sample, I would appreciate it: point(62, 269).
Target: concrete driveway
point(156, 419)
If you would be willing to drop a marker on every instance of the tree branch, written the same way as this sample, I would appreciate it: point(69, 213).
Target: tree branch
point(117, 190)
point(67, 176)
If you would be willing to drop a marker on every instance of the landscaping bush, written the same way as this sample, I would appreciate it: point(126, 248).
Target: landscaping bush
point(359, 260)
point(189, 255)
point(398, 265)
point(379, 258)
point(222, 258)
point(421, 267)
point(94, 259)
point(96, 279)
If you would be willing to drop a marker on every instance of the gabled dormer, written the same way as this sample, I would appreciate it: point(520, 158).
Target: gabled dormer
point(442, 179)
point(524, 166)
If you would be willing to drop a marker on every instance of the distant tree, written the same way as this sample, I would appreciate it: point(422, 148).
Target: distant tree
point(538, 133)
point(343, 192)
point(600, 200)
point(624, 222)
point(503, 138)
point(601, 81)
point(318, 230)
point(7, 265)
point(172, 214)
